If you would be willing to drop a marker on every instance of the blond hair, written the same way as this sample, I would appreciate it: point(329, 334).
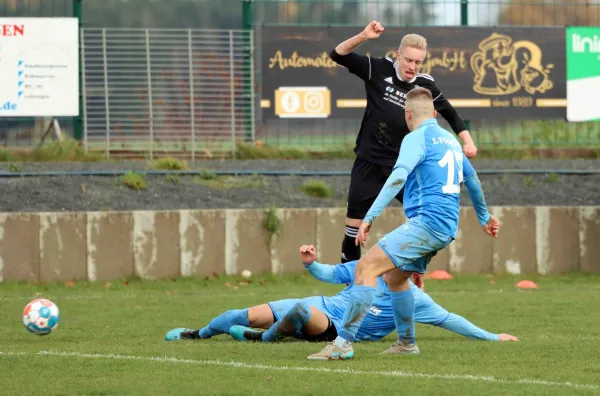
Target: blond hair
point(420, 103)
point(413, 40)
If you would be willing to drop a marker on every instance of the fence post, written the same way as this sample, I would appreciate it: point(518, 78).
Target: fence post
point(232, 93)
point(464, 12)
point(77, 121)
point(106, 93)
point(84, 90)
point(192, 104)
point(150, 104)
point(464, 21)
point(252, 91)
point(247, 23)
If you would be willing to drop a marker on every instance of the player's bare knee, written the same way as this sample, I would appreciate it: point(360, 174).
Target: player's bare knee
point(397, 280)
point(260, 316)
point(253, 316)
point(374, 264)
point(365, 273)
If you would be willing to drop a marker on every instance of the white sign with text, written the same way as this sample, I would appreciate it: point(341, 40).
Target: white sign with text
point(39, 67)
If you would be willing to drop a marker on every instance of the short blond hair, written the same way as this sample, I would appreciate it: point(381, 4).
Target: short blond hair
point(420, 103)
point(413, 40)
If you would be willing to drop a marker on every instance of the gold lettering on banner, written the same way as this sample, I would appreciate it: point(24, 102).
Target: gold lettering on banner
point(502, 67)
point(298, 61)
point(522, 101)
point(449, 60)
point(500, 103)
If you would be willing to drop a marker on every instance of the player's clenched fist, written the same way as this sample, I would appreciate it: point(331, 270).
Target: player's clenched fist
point(492, 226)
point(470, 150)
point(308, 254)
point(373, 30)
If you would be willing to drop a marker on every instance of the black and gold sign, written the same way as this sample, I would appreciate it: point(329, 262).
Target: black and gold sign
point(486, 73)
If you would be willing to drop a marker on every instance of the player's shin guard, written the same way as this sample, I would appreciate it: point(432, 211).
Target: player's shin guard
point(290, 324)
point(222, 323)
point(350, 251)
point(403, 306)
point(359, 303)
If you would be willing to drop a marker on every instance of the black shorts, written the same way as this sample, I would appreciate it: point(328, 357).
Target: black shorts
point(366, 181)
point(327, 336)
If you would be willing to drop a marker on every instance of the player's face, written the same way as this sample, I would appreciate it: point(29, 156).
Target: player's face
point(410, 61)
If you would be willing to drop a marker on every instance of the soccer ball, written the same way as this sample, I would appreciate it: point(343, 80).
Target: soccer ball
point(41, 316)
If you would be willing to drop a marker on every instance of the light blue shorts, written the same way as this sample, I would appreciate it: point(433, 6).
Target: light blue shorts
point(281, 307)
point(412, 245)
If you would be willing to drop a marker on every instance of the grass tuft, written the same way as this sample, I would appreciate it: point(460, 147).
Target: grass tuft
point(272, 222)
point(169, 164)
point(6, 156)
point(317, 189)
point(134, 180)
point(68, 150)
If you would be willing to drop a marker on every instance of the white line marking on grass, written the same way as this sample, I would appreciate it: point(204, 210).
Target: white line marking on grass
point(307, 369)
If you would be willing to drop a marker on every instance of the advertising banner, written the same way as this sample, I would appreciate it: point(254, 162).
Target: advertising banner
point(486, 73)
point(583, 73)
point(39, 65)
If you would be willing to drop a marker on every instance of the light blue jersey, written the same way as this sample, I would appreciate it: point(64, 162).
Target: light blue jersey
point(431, 166)
point(379, 321)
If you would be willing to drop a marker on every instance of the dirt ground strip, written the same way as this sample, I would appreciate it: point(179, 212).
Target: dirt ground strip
point(103, 193)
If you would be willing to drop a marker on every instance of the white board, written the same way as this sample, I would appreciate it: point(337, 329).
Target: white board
point(39, 67)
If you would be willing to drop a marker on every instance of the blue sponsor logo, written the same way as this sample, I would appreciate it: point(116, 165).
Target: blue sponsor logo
point(8, 106)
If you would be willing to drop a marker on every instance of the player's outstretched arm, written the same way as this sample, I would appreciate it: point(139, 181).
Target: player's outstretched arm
point(324, 272)
point(458, 324)
point(412, 153)
point(358, 65)
point(371, 32)
point(488, 222)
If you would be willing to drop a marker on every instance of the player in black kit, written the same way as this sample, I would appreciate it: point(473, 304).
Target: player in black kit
point(383, 126)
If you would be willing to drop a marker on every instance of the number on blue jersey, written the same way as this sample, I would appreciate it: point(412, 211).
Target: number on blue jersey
point(454, 161)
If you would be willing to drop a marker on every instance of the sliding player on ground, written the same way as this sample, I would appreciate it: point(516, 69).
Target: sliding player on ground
point(319, 318)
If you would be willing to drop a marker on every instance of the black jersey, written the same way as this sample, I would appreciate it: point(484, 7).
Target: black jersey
point(383, 126)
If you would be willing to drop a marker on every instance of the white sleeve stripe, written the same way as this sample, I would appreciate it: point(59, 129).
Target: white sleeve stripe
point(437, 97)
point(369, 67)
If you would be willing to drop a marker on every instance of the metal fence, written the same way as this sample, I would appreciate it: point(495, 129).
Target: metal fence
point(423, 12)
point(193, 92)
point(185, 92)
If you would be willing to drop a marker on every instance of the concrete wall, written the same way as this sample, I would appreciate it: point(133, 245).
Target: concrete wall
point(108, 245)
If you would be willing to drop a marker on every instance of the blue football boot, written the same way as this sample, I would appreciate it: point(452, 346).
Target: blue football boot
point(182, 334)
point(243, 333)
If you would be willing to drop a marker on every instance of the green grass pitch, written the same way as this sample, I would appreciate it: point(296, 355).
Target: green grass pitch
point(111, 342)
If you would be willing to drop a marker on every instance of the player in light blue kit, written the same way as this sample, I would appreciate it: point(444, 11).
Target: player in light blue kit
point(319, 318)
point(432, 166)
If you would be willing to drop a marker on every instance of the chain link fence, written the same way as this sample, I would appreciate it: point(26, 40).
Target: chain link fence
point(182, 92)
point(423, 12)
point(194, 92)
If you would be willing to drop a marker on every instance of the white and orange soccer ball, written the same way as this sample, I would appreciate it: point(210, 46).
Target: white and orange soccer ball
point(41, 316)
